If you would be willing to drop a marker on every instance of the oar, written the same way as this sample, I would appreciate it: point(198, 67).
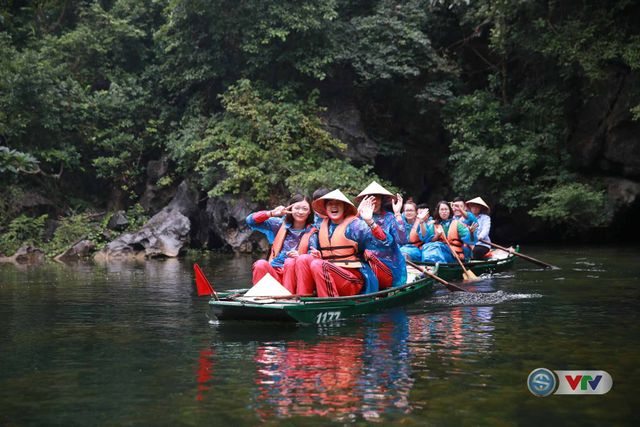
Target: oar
point(527, 257)
point(467, 274)
point(450, 286)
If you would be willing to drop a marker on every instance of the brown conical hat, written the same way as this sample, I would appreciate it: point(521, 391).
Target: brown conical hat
point(478, 201)
point(321, 209)
point(373, 189)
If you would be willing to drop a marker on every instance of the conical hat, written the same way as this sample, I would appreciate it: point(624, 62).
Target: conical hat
point(478, 201)
point(373, 189)
point(267, 286)
point(321, 209)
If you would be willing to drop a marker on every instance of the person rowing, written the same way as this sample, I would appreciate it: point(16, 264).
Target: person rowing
point(481, 210)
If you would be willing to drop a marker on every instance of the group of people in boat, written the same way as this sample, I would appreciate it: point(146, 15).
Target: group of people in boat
point(329, 247)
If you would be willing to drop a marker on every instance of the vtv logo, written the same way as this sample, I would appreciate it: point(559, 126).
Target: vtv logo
point(583, 382)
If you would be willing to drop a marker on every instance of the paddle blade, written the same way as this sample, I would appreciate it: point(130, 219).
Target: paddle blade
point(469, 275)
point(202, 284)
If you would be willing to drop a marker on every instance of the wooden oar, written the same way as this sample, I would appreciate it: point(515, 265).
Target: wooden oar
point(467, 274)
point(527, 257)
point(450, 286)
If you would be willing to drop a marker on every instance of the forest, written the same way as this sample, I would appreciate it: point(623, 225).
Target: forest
point(108, 106)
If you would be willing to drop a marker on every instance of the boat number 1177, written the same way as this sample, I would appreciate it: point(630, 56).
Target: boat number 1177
point(327, 316)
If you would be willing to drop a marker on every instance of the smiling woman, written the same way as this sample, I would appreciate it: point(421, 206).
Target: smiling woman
point(291, 233)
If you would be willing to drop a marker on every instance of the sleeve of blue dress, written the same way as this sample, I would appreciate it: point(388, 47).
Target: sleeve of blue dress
point(465, 235)
point(270, 226)
point(313, 241)
point(359, 232)
point(470, 219)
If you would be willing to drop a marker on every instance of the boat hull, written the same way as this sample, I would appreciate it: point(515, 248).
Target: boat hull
point(453, 271)
point(320, 310)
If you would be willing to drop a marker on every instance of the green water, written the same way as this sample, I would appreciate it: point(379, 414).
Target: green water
point(130, 344)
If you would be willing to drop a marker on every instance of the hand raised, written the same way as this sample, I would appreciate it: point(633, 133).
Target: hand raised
point(423, 214)
point(364, 201)
point(397, 204)
point(280, 211)
point(366, 209)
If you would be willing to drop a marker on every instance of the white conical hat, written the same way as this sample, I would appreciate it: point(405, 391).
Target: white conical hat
point(321, 209)
point(373, 189)
point(480, 202)
point(268, 286)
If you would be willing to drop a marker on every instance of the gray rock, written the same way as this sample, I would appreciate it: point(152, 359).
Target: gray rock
point(155, 197)
point(81, 249)
point(605, 138)
point(165, 234)
point(25, 255)
point(118, 221)
point(344, 122)
point(225, 226)
point(621, 193)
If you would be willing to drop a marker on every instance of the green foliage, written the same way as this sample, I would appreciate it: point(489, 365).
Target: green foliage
point(265, 144)
point(492, 153)
point(137, 217)
point(22, 230)
point(389, 43)
point(336, 173)
point(9, 207)
point(15, 162)
point(70, 230)
point(576, 204)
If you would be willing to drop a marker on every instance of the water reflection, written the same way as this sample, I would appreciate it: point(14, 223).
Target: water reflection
point(363, 371)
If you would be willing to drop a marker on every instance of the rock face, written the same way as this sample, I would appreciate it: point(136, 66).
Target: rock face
point(155, 197)
point(344, 122)
point(605, 137)
point(82, 249)
point(25, 255)
point(164, 235)
point(223, 226)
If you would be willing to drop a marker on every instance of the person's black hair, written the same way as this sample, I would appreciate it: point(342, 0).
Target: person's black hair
point(436, 213)
point(299, 198)
point(423, 206)
point(319, 193)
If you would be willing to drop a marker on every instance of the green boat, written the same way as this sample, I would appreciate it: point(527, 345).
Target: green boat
point(501, 261)
point(231, 305)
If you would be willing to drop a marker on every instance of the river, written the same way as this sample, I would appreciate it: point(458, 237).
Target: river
point(131, 344)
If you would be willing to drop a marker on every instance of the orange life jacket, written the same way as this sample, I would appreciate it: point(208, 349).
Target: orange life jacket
point(423, 229)
point(303, 247)
point(338, 249)
point(454, 238)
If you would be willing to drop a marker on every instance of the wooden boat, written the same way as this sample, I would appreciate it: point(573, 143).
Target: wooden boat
point(313, 310)
point(501, 261)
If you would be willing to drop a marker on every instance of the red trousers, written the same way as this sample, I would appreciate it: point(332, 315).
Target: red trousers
point(328, 280)
point(380, 269)
point(285, 275)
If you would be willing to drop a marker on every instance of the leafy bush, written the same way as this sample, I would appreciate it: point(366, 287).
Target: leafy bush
point(69, 231)
point(575, 204)
point(266, 144)
point(23, 230)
